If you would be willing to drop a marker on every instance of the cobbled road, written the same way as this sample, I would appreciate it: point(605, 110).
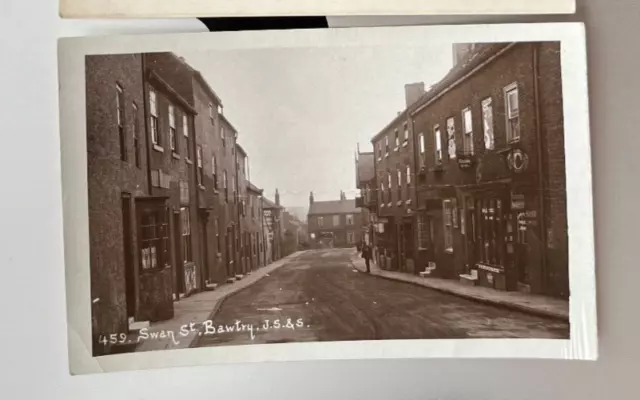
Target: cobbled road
point(319, 296)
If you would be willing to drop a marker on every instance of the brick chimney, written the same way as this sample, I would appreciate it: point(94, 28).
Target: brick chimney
point(277, 197)
point(413, 91)
point(311, 198)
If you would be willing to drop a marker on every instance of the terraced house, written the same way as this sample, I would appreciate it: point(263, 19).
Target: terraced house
point(334, 223)
point(168, 190)
point(490, 189)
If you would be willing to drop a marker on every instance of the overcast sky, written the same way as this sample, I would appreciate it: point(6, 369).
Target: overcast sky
point(301, 111)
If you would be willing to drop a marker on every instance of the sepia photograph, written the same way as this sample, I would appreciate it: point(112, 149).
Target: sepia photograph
point(348, 186)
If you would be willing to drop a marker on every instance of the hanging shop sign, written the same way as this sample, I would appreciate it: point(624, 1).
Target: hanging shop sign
point(518, 161)
point(517, 201)
point(465, 161)
point(489, 268)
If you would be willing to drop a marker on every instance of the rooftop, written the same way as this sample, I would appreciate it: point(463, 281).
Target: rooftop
point(347, 206)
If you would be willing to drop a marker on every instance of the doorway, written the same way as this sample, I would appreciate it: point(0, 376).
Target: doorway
point(179, 288)
point(129, 266)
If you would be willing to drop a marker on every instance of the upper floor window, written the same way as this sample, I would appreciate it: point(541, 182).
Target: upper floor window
point(408, 174)
point(336, 220)
point(121, 122)
point(451, 138)
point(187, 137)
point(234, 186)
point(320, 222)
point(222, 136)
point(214, 171)
point(349, 219)
point(437, 144)
point(211, 114)
point(173, 141)
point(512, 112)
point(397, 136)
point(487, 124)
point(467, 131)
point(225, 186)
point(200, 166)
point(386, 146)
point(406, 134)
point(153, 119)
point(136, 134)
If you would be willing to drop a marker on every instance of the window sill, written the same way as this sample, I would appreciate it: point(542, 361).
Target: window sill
point(405, 144)
point(188, 161)
point(386, 155)
point(448, 251)
point(397, 148)
point(408, 202)
point(175, 155)
point(158, 148)
point(201, 187)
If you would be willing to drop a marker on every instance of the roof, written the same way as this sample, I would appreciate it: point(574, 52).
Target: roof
point(483, 53)
point(365, 167)
point(254, 188)
point(269, 204)
point(240, 149)
point(334, 207)
point(226, 121)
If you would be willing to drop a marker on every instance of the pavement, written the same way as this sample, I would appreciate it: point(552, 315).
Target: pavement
point(524, 302)
point(322, 295)
point(190, 312)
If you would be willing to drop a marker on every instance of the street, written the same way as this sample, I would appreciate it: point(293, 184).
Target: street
point(318, 296)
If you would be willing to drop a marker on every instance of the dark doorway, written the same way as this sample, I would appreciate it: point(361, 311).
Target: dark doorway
point(129, 266)
point(178, 256)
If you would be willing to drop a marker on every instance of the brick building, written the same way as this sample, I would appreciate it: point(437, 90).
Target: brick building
point(395, 183)
point(254, 223)
point(335, 223)
point(489, 156)
point(368, 200)
point(272, 216)
point(167, 186)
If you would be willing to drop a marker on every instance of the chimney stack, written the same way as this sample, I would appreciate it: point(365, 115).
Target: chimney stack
point(311, 198)
point(412, 92)
point(277, 197)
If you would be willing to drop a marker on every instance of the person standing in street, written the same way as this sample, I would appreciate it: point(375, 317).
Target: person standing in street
point(366, 254)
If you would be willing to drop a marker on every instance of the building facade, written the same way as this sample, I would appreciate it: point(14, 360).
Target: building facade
point(494, 197)
point(336, 223)
point(368, 200)
point(272, 216)
point(167, 211)
point(394, 168)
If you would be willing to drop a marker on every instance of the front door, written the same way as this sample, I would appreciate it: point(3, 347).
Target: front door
point(179, 287)
point(129, 266)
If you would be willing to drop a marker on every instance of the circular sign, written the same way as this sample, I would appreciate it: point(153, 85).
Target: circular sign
point(518, 161)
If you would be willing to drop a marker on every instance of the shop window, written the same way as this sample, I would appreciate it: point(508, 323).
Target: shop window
point(187, 249)
point(425, 232)
point(490, 231)
point(154, 239)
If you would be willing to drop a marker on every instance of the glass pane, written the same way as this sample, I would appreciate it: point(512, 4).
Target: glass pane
point(467, 121)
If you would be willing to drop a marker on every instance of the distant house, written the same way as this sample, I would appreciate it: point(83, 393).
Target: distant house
point(273, 228)
point(335, 223)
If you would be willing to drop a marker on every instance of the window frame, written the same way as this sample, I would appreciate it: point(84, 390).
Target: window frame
point(451, 138)
point(200, 166)
point(397, 139)
point(136, 135)
point(386, 146)
point(334, 219)
point(186, 235)
point(121, 121)
point(173, 139)
point(154, 131)
point(487, 104)
point(405, 141)
point(214, 171)
point(467, 131)
point(437, 145)
point(350, 220)
point(320, 222)
point(512, 87)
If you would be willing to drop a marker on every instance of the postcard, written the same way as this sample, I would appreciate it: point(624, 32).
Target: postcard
point(393, 192)
point(221, 8)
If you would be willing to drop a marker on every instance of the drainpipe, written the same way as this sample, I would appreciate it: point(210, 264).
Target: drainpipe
point(541, 169)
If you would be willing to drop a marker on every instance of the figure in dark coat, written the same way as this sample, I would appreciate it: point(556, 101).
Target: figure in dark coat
point(366, 254)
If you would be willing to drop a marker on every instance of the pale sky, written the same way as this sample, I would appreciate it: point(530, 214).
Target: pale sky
point(301, 111)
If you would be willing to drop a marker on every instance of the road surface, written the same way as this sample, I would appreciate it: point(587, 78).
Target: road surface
point(319, 296)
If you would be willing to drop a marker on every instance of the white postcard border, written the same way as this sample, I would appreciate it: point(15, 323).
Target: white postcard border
point(223, 8)
point(583, 342)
